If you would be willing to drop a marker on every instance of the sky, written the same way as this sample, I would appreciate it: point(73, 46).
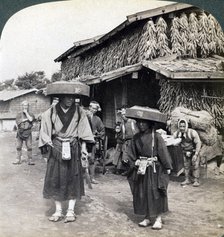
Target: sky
point(33, 37)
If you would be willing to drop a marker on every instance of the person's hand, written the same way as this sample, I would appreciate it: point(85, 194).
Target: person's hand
point(117, 129)
point(50, 143)
point(84, 152)
point(194, 158)
point(125, 161)
point(137, 162)
point(44, 149)
point(168, 171)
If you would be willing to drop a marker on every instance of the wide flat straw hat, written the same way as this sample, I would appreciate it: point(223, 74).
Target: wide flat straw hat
point(67, 87)
point(146, 113)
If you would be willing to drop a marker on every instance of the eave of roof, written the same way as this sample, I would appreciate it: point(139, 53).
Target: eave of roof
point(189, 69)
point(8, 115)
point(176, 70)
point(170, 7)
point(76, 45)
point(108, 76)
point(9, 95)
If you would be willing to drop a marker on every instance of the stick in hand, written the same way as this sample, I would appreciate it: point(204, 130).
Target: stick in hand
point(85, 165)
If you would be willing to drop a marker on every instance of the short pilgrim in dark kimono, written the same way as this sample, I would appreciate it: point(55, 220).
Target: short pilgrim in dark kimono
point(149, 190)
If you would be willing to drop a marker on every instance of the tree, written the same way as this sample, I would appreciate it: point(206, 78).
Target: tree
point(56, 76)
point(8, 85)
point(32, 80)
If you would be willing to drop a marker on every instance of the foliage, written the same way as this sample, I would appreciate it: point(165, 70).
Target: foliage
point(36, 80)
point(8, 85)
point(56, 76)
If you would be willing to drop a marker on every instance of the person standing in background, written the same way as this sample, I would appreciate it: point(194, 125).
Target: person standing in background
point(98, 130)
point(125, 130)
point(24, 123)
point(191, 145)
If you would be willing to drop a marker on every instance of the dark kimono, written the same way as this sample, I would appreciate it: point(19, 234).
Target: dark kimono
point(150, 190)
point(64, 178)
point(98, 130)
point(97, 127)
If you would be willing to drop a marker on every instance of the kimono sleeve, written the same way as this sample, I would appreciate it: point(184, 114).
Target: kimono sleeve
point(84, 129)
point(45, 129)
point(131, 152)
point(163, 153)
point(100, 129)
point(19, 118)
point(33, 116)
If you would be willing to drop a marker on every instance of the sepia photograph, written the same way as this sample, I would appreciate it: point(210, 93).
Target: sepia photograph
point(111, 118)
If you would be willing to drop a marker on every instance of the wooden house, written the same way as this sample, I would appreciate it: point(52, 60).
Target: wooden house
point(10, 105)
point(162, 58)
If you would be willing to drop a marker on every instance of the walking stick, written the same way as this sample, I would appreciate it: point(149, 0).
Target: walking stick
point(85, 165)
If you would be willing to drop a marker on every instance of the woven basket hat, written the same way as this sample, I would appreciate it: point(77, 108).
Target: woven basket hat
point(67, 87)
point(146, 113)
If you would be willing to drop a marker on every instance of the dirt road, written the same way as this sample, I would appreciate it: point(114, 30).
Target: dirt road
point(106, 210)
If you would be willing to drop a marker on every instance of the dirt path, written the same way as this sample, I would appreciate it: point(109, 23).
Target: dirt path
point(106, 210)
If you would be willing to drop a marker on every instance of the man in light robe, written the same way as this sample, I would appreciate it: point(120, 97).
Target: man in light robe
point(65, 130)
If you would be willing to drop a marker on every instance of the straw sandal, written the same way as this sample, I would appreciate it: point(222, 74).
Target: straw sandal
point(144, 223)
point(70, 216)
point(157, 225)
point(57, 216)
point(17, 162)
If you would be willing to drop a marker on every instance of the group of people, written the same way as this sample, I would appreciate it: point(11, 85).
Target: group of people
point(68, 134)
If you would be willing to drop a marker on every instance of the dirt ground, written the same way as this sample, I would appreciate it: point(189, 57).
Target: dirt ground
point(106, 210)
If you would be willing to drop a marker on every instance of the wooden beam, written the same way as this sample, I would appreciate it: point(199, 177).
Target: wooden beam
point(198, 75)
point(218, 57)
point(196, 80)
point(121, 72)
point(87, 41)
point(108, 76)
point(154, 67)
point(158, 11)
point(93, 81)
point(212, 97)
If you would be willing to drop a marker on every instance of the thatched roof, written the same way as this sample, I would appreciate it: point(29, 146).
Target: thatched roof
point(76, 50)
point(77, 45)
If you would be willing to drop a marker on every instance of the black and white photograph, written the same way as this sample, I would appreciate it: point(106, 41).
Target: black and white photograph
point(111, 118)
